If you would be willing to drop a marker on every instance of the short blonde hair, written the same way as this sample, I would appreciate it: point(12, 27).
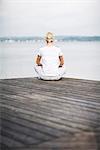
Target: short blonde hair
point(49, 37)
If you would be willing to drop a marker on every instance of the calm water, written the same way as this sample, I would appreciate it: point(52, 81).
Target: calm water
point(81, 59)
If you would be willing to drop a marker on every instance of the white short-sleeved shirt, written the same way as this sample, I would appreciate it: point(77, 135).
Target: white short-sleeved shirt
point(50, 59)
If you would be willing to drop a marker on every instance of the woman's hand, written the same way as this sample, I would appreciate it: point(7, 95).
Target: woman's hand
point(38, 61)
point(61, 59)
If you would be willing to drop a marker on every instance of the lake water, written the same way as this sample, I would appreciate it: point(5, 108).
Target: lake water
point(82, 59)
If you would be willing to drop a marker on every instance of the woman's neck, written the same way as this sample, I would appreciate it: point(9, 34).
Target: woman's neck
point(50, 44)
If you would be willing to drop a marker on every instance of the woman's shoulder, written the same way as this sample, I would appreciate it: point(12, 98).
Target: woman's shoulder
point(43, 47)
point(57, 48)
point(53, 47)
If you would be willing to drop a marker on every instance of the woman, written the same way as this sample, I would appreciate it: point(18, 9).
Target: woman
point(50, 60)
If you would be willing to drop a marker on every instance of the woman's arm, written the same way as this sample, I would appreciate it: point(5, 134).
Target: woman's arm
point(61, 58)
point(38, 60)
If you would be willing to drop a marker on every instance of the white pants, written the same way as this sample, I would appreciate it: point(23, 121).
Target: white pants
point(41, 75)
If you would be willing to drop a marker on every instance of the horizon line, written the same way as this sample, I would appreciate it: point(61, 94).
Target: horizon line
point(42, 36)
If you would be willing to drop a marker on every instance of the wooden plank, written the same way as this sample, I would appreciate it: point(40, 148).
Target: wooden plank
point(66, 116)
point(22, 138)
point(62, 91)
point(35, 134)
point(59, 108)
point(35, 111)
point(10, 142)
point(53, 101)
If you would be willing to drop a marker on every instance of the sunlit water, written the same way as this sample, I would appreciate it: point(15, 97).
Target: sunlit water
point(81, 59)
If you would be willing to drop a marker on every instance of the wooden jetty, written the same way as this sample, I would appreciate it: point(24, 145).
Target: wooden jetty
point(49, 115)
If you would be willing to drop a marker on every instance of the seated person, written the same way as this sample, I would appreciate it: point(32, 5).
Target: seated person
point(50, 60)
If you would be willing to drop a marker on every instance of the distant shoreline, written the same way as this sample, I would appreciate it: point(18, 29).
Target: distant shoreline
point(58, 38)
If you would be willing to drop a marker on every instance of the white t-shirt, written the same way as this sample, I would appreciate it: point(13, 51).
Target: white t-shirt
point(50, 59)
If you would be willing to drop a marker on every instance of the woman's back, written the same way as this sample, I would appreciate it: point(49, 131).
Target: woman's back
point(50, 59)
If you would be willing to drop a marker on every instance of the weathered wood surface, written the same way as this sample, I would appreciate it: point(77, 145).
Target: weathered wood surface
point(48, 115)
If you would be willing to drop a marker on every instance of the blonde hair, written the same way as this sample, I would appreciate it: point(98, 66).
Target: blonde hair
point(49, 37)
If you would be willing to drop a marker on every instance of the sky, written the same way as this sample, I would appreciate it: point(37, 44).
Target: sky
point(62, 17)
